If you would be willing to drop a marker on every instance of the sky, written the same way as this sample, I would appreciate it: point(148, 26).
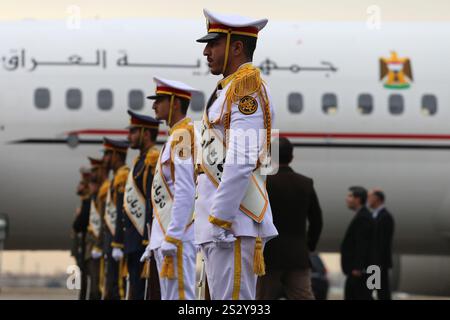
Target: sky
point(398, 10)
point(299, 10)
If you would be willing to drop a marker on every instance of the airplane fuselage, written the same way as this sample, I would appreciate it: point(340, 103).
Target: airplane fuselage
point(328, 65)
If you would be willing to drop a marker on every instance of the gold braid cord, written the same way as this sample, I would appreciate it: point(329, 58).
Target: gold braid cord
point(247, 81)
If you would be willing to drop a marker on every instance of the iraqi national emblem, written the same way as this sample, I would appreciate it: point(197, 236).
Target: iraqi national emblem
point(397, 71)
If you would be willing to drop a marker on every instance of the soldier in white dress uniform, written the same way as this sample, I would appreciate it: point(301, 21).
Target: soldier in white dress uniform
point(173, 194)
point(233, 216)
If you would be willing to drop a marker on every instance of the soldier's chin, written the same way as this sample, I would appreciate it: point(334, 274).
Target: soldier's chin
point(162, 119)
point(216, 71)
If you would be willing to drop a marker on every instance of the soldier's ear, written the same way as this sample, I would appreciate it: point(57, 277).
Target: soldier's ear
point(237, 47)
point(177, 103)
point(147, 134)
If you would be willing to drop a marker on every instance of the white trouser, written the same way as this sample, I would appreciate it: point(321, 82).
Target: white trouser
point(229, 271)
point(183, 286)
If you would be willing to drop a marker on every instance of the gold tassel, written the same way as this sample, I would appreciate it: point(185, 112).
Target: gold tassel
point(124, 269)
point(145, 274)
point(168, 268)
point(101, 279)
point(259, 266)
point(120, 280)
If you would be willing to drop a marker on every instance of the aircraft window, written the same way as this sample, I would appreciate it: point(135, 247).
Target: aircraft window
point(42, 98)
point(295, 102)
point(136, 100)
point(73, 99)
point(365, 103)
point(396, 104)
point(429, 104)
point(329, 103)
point(105, 99)
point(198, 101)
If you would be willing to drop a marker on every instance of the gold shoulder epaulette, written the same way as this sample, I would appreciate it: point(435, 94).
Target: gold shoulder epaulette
point(120, 178)
point(152, 157)
point(246, 81)
point(179, 135)
point(102, 192)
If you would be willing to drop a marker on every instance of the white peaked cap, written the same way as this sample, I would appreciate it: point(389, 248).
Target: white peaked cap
point(218, 23)
point(169, 87)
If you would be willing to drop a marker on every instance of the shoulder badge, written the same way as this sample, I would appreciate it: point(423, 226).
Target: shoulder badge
point(248, 105)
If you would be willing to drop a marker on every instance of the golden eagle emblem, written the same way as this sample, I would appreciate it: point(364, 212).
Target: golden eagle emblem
point(397, 70)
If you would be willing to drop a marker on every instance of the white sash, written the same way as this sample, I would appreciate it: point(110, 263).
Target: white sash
point(134, 204)
point(255, 201)
point(95, 220)
point(110, 213)
point(162, 198)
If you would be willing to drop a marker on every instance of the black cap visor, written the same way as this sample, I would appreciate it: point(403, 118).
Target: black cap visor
point(210, 36)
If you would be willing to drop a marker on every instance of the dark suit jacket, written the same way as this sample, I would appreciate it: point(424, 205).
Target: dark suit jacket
point(384, 232)
point(294, 202)
point(356, 248)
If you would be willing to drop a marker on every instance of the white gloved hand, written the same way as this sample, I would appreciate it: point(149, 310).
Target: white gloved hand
point(96, 254)
point(168, 249)
point(117, 254)
point(147, 253)
point(222, 237)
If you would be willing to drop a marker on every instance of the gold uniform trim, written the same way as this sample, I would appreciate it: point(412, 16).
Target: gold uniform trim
point(117, 245)
point(237, 269)
point(181, 294)
point(219, 222)
point(243, 33)
point(180, 275)
point(174, 93)
point(173, 240)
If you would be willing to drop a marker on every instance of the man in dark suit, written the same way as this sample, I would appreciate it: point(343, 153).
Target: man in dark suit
point(356, 247)
point(383, 234)
point(294, 203)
